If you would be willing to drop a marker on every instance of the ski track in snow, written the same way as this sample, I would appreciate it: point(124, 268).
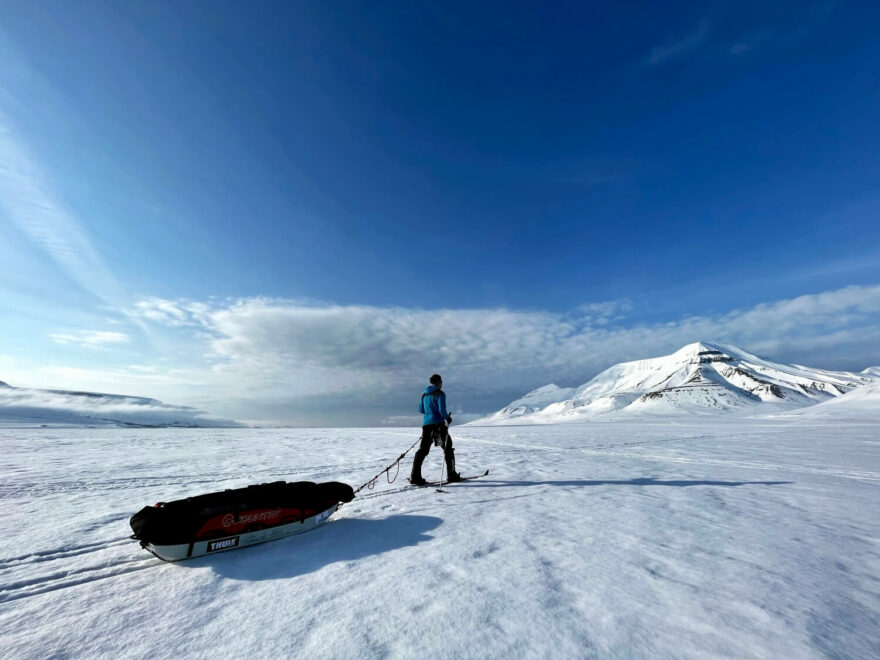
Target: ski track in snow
point(61, 553)
point(748, 538)
point(71, 578)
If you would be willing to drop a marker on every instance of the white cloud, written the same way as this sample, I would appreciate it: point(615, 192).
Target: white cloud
point(137, 380)
point(171, 313)
point(678, 48)
point(289, 349)
point(604, 313)
point(90, 338)
point(143, 368)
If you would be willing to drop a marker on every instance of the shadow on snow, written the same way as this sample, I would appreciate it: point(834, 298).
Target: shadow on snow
point(347, 539)
point(642, 481)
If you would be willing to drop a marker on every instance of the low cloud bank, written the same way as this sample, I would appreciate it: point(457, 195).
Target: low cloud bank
point(34, 407)
point(337, 362)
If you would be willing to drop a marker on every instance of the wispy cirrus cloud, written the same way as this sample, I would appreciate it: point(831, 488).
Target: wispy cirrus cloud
point(749, 42)
point(90, 338)
point(171, 313)
point(31, 204)
point(680, 47)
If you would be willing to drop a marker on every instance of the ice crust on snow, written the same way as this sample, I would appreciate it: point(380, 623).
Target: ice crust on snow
point(700, 378)
point(717, 538)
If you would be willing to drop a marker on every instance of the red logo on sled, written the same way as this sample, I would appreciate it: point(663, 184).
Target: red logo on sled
point(269, 517)
point(249, 521)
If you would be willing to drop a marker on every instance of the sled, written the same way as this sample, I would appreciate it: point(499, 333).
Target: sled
point(231, 519)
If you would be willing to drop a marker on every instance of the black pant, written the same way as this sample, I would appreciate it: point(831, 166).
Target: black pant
point(430, 433)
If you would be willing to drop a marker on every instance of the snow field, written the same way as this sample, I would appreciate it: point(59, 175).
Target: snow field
point(746, 538)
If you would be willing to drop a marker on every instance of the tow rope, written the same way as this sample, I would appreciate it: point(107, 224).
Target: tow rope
point(370, 484)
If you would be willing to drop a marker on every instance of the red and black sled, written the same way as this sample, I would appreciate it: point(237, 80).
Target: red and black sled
point(230, 519)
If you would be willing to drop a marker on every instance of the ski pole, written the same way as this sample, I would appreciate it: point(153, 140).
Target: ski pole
point(442, 462)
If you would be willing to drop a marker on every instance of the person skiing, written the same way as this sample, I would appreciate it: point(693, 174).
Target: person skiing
point(433, 407)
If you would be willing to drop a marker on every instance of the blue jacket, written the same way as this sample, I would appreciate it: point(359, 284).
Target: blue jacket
point(433, 406)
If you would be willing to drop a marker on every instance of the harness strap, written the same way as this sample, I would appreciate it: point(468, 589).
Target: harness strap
point(370, 483)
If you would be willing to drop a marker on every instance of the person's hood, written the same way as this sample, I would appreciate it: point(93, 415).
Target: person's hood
point(431, 388)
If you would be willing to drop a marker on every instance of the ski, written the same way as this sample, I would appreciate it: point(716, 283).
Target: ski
point(446, 481)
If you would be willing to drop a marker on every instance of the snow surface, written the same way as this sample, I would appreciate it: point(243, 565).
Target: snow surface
point(744, 538)
point(703, 378)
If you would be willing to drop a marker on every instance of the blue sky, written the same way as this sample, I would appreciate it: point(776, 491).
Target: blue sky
point(297, 211)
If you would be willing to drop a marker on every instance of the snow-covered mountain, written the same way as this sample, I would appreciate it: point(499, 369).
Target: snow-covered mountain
point(862, 402)
point(538, 399)
point(700, 378)
point(34, 407)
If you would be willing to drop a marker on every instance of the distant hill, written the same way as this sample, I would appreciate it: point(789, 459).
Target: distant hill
point(862, 403)
point(21, 406)
point(699, 379)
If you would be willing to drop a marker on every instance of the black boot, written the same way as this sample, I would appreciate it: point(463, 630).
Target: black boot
point(415, 478)
point(454, 476)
